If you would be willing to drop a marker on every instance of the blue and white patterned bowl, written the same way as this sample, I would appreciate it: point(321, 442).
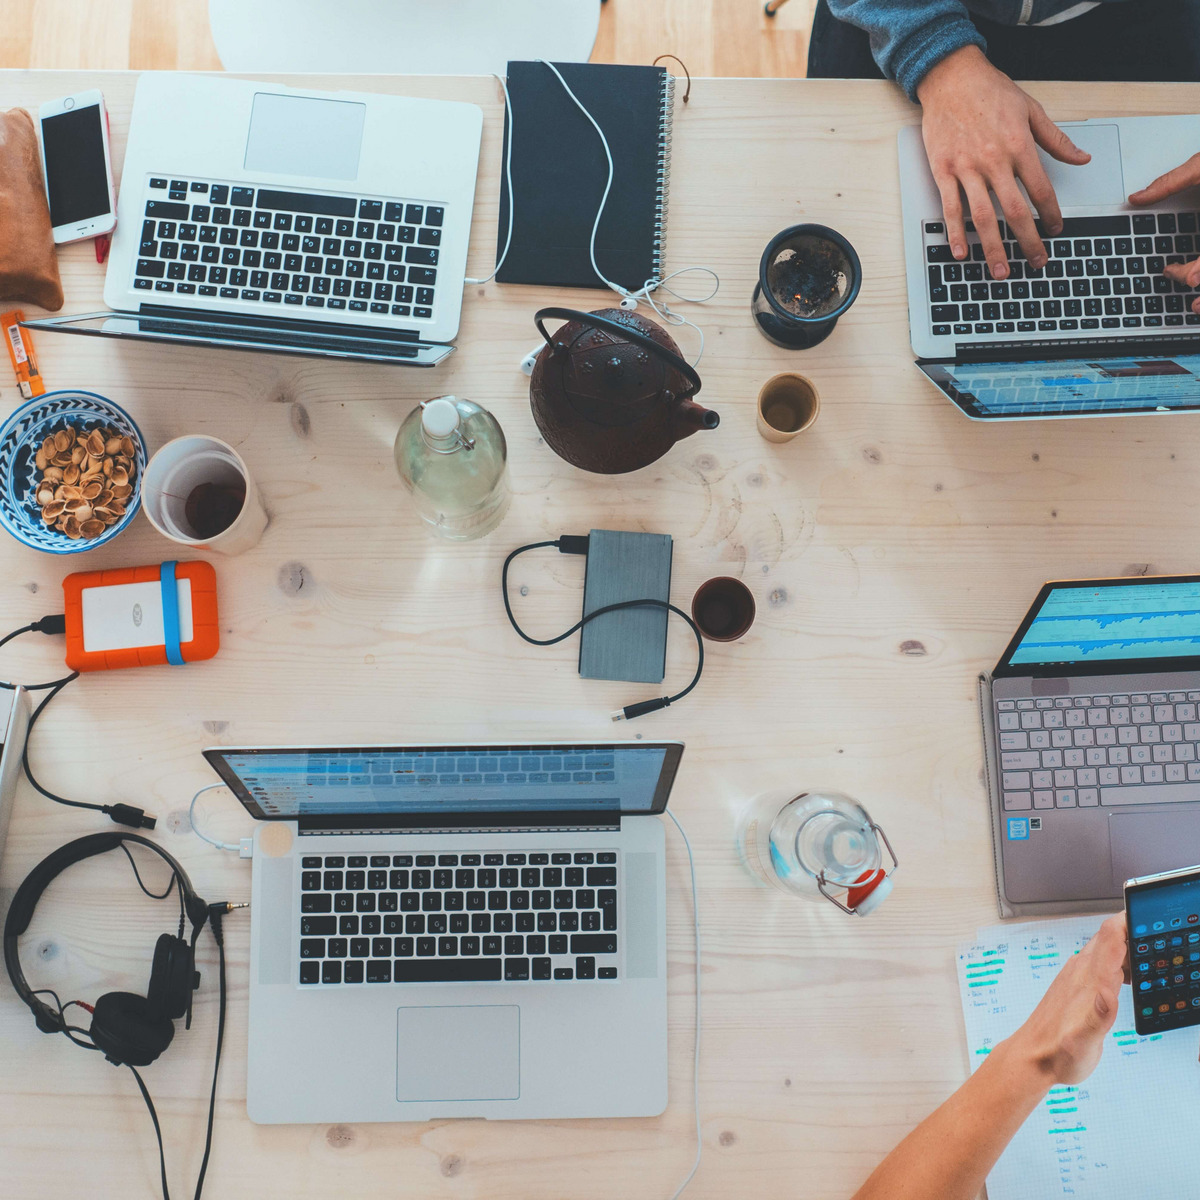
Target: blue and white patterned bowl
point(20, 437)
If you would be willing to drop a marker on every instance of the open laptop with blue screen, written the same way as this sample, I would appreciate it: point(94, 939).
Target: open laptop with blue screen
point(1099, 330)
point(456, 930)
point(1092, 720)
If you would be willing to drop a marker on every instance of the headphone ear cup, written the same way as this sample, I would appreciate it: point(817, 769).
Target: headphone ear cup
point(171, 978)
point(123, 1028)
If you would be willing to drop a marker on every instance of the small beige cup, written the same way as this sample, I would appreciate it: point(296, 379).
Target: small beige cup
point(787, 405)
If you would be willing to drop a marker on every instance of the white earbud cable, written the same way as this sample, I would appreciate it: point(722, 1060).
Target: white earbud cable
point(512, 203)
point(666, 314)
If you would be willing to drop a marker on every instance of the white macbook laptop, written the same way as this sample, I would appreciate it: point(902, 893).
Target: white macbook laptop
point(11, 751)
point(258, 216)
point(448, 931)
point(1097, 331)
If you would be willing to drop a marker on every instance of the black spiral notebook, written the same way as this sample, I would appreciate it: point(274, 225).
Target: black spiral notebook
point(559, 170)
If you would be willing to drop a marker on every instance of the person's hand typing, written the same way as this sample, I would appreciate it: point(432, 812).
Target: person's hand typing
point(1064, 1036)
point(1185, 176)
point(981, 134)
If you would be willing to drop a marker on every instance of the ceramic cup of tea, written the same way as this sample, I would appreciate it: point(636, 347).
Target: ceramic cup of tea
point(197, 491)
point(787, 405)
point(723, 609)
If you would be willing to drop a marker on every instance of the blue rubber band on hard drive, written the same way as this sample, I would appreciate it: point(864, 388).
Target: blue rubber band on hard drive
point(170, 608)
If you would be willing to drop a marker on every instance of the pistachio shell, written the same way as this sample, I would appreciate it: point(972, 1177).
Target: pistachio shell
point(91, 489)
point(71, 474)
point(122, 491)
point(39, 459)
point(95, 443)
point(44, 494)
point(120, 476)
point(53, 475)
point(53, 510)
point(127, 447)
point(67, 491)
point(108, 466)
point(64, 440)
point(91, 528)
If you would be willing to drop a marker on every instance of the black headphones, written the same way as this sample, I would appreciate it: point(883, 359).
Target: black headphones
point(129, 1029)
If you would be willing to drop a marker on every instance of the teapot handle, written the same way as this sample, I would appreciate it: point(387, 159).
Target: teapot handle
point(632, 335)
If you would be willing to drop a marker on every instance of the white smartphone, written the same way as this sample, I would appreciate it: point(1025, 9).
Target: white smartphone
point(73, 133)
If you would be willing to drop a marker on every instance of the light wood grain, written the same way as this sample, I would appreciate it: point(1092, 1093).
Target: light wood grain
point(714, 37)
point(891, 549)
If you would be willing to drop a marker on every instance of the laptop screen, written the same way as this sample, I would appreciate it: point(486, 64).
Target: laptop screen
point(1110, 622)
point(464, 781)
point(1070, 387)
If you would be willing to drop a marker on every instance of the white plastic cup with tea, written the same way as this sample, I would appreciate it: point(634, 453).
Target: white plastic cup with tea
point(198, 492)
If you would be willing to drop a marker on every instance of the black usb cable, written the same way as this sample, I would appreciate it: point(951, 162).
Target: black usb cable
point(121, 814)
point(578, 544)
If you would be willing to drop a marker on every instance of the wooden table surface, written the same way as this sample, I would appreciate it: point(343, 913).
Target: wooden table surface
point(892, 550)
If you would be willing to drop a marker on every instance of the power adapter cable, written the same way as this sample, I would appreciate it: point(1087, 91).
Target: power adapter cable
point(121, 814)
point(578, 544)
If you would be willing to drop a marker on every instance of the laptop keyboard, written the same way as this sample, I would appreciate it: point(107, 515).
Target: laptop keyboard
point(458, 918)
point(289, 250)
point(1104, 273)
point(1090, 751)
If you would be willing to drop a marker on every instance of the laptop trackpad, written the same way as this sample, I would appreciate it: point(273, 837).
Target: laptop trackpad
point(1144, 843)
point(1099, 182)
point(301, 135)
point(459, 1052)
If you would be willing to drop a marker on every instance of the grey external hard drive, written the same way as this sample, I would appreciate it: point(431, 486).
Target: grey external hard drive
point(631, 644)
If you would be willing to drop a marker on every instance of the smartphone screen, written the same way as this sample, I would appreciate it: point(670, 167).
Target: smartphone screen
point(1164, 952)
point(76, 177)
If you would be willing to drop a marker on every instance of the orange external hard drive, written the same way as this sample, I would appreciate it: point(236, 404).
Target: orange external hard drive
point(141, 616)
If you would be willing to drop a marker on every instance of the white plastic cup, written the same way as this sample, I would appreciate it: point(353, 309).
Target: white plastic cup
point(184, 464)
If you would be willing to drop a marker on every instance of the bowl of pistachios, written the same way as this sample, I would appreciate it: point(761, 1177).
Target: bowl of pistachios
point(71, 466)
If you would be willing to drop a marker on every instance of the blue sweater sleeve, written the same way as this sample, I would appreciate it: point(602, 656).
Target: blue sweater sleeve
point(908, 37)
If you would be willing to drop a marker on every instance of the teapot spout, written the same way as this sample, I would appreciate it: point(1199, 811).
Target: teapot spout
point(691, 417)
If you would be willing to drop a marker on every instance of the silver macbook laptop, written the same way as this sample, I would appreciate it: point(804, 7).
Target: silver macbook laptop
point(11, 751)
point(1097, 331)
point(1092, 722)
point(460, 930)
point(257, 216)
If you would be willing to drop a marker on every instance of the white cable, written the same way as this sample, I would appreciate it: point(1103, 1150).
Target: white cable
point(195, 828)
point(512, 200)
point(642, 293)
point(696, 1056)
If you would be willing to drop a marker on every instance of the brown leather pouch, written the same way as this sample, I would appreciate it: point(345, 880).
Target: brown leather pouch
point(28, 262)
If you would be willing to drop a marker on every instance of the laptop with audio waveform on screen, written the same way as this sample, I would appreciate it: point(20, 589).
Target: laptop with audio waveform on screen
point(1092, 730)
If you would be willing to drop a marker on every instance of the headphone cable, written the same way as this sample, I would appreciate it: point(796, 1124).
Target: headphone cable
point(162, 1160)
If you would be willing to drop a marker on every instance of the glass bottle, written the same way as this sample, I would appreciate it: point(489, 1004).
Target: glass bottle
point(818, 844)
point(452, 457)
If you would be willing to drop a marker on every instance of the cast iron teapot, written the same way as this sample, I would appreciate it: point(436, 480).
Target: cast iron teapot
point(610, 392)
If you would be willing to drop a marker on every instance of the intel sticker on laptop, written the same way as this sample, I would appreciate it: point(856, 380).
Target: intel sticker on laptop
point(1018, 829)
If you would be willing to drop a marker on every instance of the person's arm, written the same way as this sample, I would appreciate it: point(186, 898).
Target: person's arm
point(981, 136)
point(1166, 185)
point(948, 1156)
point(908, 37)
